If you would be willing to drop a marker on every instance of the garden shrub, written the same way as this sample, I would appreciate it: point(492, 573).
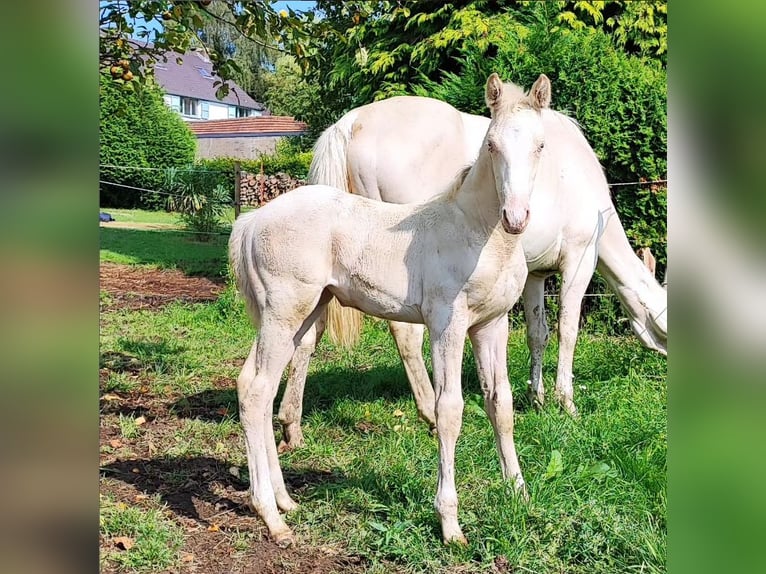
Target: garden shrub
point(137, 129)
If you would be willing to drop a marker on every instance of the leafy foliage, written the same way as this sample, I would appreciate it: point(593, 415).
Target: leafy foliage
point(287, 159)
point(137, 130)
point(287, 92)
point(180, 25)
point(200, 199)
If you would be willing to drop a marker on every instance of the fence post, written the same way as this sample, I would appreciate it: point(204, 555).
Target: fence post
point(237, 188)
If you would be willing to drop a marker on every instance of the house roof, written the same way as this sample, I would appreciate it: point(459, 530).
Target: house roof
point(252, 126)
point(194, 78)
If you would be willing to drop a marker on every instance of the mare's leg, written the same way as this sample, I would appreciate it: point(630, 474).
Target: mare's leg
point(490, 343)
point(409, 342)
point(576, 274)
point(537, 336)
point(291, 408)
point(447, 353)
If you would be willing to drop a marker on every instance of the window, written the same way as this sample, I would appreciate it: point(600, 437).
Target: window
point(173, 102)
point(204, 72)
point(190, 107)
point(243, 113)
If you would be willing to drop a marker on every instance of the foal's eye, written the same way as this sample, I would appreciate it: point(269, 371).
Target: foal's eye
point(540, 146)
point(491, 146)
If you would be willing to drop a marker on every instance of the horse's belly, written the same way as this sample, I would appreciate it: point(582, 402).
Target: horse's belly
point(377, 303)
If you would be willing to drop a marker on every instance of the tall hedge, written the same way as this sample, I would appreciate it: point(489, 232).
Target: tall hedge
point(138, 130)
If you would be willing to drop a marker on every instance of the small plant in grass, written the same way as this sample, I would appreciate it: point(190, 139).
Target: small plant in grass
point(143, 540)
point(129, 428)
point(200, 198)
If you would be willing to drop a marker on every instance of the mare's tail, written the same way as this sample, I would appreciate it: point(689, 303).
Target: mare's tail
point(642, 297)
point(330, 167)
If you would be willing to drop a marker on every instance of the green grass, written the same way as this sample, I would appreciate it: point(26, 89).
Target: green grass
point(366, 478)
point(143, 216)
point(156, 539)
point(164, 249)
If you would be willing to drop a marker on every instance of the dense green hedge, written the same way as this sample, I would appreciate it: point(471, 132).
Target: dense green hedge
point(138, 130)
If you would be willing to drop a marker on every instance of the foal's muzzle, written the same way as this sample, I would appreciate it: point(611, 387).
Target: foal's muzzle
point(514, 222)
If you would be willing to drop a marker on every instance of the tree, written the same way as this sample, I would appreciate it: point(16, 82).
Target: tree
point(179, 25)
point(137, 130)
point(287, 92)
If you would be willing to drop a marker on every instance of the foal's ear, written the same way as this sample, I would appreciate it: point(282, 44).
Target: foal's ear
point(540, 94)
point(493, 92)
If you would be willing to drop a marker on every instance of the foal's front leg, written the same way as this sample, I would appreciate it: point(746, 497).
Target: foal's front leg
point(447, 355)
point(490, 343)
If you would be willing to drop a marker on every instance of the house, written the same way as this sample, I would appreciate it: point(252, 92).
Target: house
point(236, 126)
point(189, 90)
point(243, 138)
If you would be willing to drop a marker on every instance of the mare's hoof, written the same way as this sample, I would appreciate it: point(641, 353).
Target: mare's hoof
point(288, 446)
point(286, 504)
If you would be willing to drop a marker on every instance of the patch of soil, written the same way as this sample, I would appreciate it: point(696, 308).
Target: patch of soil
point(132, 287)
point(201, 494)
point(204, 498)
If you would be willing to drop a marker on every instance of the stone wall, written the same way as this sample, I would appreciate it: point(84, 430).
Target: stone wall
point(237, 147)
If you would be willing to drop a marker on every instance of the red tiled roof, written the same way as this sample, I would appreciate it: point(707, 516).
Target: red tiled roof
point(252, 126)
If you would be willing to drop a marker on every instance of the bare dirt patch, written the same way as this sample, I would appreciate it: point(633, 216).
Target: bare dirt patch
point(200, 493)
point(133, 287)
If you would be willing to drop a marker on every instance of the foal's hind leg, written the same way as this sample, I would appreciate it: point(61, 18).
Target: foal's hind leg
point(291, 408)
point(409, 342)
point(575, 277)
point(537, 336)
point(256, 386)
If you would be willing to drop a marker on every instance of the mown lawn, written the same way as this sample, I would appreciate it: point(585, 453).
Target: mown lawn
point(366, 479)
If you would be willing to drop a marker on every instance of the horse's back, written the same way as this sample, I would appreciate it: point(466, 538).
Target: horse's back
point(402, 149)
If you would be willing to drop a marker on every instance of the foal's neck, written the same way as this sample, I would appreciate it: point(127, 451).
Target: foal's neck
point(477, 196)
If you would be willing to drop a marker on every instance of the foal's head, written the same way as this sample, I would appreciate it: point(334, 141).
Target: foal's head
point(515, 141)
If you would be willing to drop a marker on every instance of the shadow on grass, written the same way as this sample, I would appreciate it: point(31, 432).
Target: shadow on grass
point(179, 481)
point(323, 390)
point(169, 249)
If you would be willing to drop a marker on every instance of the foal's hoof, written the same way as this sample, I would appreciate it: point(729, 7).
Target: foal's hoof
point(535, 399)
point(457, 540)
point(285, 539)
point(569, 407)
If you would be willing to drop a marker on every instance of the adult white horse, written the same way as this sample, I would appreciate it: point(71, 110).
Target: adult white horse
point(454, 263)
point(405, 149)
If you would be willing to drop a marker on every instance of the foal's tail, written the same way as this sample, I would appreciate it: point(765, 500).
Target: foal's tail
point(242, 265)
point(643, 298)
point(330, 167)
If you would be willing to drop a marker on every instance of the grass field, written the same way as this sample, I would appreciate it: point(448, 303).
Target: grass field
point(366, 479)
